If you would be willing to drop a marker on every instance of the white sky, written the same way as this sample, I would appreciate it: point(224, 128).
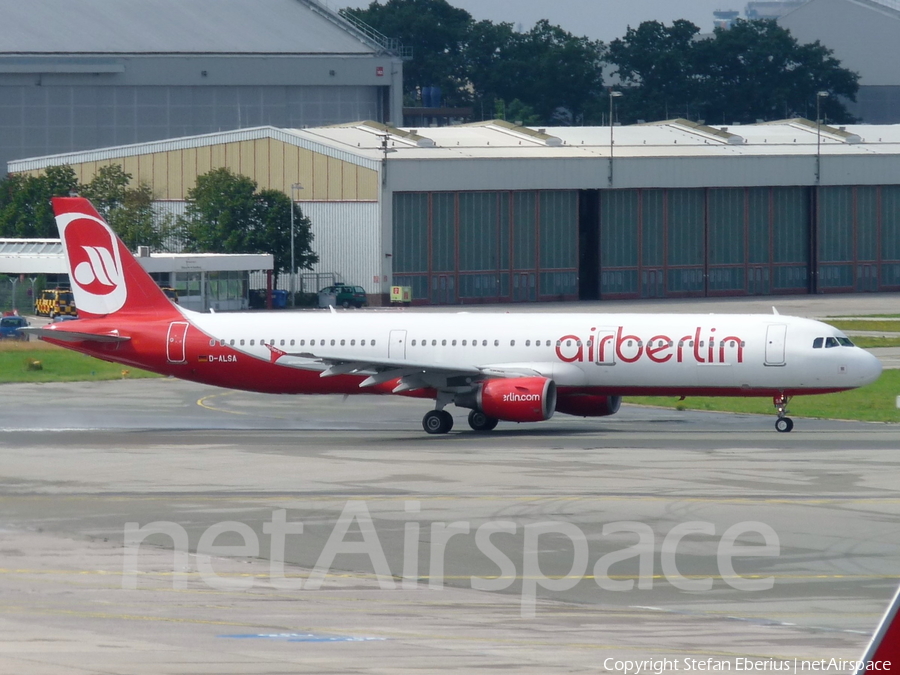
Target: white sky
point(599, 19)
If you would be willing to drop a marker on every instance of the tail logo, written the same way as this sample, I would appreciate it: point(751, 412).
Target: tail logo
point(95, 264)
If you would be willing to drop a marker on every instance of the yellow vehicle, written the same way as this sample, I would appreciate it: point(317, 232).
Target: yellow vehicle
point(171, 293)
point(55, 302)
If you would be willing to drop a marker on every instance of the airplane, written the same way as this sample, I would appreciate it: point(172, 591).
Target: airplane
point(515, 367)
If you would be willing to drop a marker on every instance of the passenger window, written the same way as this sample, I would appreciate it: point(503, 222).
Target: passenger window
point(332, 343)
point(830, 342)
point(352, 343)
point(362, 343)
point(463, 344)
point(527, 343)
point(242, 343)
point(434, 343)
point(232, 343)
point(282, 343)
point(413, 343)
point(484, 343)
point(343, 342)
point(252, 342)
point(302, 342)
point(569, 343)
point(817, 343)
point(212, 343)
point(372, 343)
point(512, 343)
point(496, 343)
point(453, 344)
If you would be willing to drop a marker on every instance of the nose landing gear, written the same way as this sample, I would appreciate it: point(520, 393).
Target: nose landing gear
point(783, 424)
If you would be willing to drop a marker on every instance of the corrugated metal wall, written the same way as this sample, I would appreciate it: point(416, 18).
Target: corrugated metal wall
point(270, 162)
point(348, 241)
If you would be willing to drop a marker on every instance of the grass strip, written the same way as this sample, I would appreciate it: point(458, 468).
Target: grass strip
point(873, 403)
point(17, 364)
point(866, 325)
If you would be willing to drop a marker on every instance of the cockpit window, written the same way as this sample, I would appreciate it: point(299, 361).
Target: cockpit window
point(831, 342)
point(817, 343)
point(845, 342)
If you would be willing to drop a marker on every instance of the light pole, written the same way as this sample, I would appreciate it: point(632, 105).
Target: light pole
point(819, 96)
point(294, 186)
point(613, 95)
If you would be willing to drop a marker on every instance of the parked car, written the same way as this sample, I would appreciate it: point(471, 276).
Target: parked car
point(346, 296)
point(54, 302)
point(9, 328)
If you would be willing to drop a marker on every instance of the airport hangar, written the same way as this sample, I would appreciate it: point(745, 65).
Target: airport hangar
point(96, 73)
point(495, 212)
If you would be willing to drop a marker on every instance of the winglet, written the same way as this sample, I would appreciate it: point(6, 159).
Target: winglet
point(885, 645)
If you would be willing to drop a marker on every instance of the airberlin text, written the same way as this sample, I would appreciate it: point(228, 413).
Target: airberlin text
point(612, 345)
point(517, 398)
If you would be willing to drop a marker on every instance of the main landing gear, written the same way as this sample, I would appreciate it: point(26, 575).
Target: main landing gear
point(437, 422)
point(481, 422)
point(784, 423)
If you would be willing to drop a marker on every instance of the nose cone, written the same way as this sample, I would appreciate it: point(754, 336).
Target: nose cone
point(869, 367)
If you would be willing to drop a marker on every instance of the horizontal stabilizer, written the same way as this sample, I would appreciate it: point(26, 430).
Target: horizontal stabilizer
point(74, 336)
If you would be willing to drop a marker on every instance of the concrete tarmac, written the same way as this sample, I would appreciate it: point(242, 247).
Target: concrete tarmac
point(80, 461)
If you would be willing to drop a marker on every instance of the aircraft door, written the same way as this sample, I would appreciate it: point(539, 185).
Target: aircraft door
point(603, 345)
point(775, 343)
point(175, 341)
point(397, 344)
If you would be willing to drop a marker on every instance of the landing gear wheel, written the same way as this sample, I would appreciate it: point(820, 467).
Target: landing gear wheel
point(481, 422)
point(784, 424)
point(437, 422)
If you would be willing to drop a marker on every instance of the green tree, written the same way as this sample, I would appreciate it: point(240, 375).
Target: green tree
point(547, 69)
point(758, 70)
point(226, 214)
point(480, 63)
point(437, 32)
point(25, 209)
point(656, 65)
point(129, 211)
point(754, 70)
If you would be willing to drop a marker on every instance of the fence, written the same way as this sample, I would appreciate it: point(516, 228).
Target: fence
point(17, 293)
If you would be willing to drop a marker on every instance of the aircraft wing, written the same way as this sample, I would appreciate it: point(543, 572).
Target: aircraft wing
point(74, 336)
point(412, 375)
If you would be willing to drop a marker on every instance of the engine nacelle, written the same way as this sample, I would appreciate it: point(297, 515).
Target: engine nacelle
point(520, 399)
point(587, 405)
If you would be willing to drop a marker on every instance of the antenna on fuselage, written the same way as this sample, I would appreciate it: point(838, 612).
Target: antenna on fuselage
point(775, 312)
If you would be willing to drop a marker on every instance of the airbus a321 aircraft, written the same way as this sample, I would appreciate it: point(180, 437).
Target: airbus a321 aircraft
point(501, 366)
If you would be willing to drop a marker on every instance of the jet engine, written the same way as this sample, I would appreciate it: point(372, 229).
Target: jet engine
point(522, 399)
point(587, 405)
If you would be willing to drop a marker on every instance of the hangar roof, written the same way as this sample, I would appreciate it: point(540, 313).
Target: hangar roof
point(362, 143)
point(175, 26)
point(670, 138)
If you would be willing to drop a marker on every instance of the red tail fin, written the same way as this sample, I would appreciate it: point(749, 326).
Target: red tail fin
point(105, 277)
point(885, 646)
